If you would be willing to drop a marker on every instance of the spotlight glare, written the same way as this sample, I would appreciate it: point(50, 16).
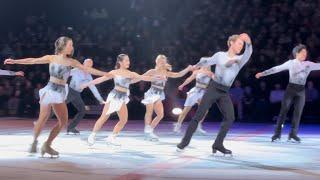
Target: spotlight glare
point(176, 111)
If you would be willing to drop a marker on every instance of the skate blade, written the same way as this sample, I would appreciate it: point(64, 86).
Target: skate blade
point(179, 151)
point(201, 134)
point(113, 145)
point(293, 141)
point(151, 139)
point(276, 141)
point(216, 153)
point(221, 155)
point(46, 156)
point(32, 154)
point(73, 134)
point(90, 144)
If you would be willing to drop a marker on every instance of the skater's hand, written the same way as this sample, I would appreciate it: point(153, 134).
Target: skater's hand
point(193, 67)
point(258, 75)
point(20, 73)
point(245, 37)
point(87, 108)
point(190, 68)
point(8, 61)
point(181, 88)
point(83, 86)
point(212, 76)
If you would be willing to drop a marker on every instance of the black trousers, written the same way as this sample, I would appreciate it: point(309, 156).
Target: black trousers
point(216, 93)
point(295, 94)
point(74, 97)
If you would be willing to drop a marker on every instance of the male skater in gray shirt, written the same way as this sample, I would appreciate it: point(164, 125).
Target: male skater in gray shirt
point(228, 64)
point(299, 69)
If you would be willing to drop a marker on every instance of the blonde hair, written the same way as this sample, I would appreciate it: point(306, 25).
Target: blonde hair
point(61, 43)
point(167, 65)
point(232, 38)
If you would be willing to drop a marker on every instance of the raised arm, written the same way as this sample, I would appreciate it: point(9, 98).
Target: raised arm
point(11, 73)
point(41, 60)
point(276, 69)
point(179, 74)
point(244, 58)
point(77, 64)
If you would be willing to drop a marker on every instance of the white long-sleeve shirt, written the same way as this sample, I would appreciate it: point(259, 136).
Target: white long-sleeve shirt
point(298, 70)
point(225, 74)
point(80, 77)
point(7, 73)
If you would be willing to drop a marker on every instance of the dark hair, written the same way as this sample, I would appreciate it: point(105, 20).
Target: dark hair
point(298, 49)
point(61, 43)
point(119, 59)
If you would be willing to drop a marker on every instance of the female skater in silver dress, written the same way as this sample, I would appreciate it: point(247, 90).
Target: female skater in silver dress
point(117, 99)
point(54, 94)
point(194, 96)
point(155, 95)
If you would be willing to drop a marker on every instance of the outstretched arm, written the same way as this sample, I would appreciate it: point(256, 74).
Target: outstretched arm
point(41, 60)
point(138, 77)
point(11, 73)
point(187, 81)
point(95, 81)
point(96, 93)
point(179, 74)
point(276, 69)
point(77, 64)
point(148, 73)
point(314, 66)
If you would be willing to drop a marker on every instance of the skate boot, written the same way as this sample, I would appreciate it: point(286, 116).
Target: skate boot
point(147, 129)
point(91, 139)
point(73, 131)
point(177, 127)
point(221, 149)
point(276, 137)
point(277, 133)
point(294, 138)
point(33, 149)
point(48, 149)
point(179, 149)
point(200, 130)
point(151, 137)
point(111, 140)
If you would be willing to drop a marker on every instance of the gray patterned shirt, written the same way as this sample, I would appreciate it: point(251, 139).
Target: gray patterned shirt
point(80, 77)
point(298, 70)
point(225, 74)
point(7, 73)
